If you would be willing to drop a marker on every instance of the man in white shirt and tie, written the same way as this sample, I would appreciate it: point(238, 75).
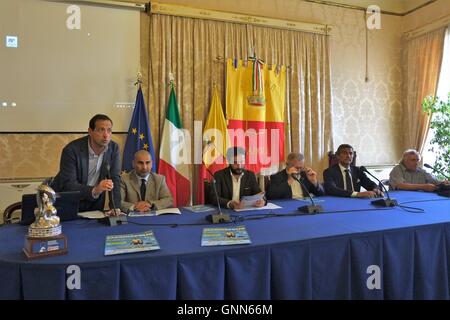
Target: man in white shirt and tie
point(143, 190)
point(345, 180)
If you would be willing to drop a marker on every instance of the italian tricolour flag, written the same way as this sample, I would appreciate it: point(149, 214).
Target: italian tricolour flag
point(174, 155)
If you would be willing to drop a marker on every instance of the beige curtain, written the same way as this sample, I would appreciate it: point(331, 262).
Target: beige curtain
point(423, 59)
point(189, 47)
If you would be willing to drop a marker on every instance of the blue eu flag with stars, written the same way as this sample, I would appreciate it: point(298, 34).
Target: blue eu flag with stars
point(138, 135)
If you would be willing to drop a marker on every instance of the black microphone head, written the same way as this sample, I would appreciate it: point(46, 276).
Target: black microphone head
point(363, 168)
point(427, 166)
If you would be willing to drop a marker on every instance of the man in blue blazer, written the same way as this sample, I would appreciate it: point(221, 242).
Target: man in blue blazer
point(345, 180)
point(91, 165)
point(284, 184)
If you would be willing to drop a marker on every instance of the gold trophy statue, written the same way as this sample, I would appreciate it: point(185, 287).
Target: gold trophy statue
point(44, 234)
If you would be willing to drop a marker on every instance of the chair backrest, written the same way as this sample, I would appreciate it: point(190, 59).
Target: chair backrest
point(8, 213)
point(207, 190)
point(333, 159)
point(266, 182)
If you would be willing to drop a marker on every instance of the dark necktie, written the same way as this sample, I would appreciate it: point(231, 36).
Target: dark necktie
point(348, 181)
point(143, 189)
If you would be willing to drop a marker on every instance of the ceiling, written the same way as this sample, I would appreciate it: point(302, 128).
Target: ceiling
point(389, 6)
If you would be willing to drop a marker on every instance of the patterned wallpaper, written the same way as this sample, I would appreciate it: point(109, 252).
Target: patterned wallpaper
point(35, 155)
point(366, 114)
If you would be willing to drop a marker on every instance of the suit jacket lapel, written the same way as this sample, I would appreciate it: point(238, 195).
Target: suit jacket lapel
point(339, 176)
point(355, 177)
point(151, 187)
point(136, 183)
point(106, 159)
point(285, 178)
point(229, 182)
point(243, 183)
point(84, 160)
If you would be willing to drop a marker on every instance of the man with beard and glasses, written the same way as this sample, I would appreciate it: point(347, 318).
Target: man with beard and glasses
point(235, 182)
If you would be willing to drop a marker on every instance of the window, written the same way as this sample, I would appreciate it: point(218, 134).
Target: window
point(442, 92)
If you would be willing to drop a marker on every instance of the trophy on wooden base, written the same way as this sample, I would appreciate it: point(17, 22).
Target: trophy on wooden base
point(44, 237)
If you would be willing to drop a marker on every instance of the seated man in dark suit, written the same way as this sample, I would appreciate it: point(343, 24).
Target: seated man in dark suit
point(143, 190)
point(284, 184)
point(91, 165)
point(345, 180)
point(234, 182)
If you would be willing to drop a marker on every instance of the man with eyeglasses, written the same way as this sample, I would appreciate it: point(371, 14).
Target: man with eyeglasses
point(285, 184)
point(91, 165)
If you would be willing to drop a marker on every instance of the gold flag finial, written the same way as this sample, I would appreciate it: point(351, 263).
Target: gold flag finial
point(138, 79)
point(171, 80)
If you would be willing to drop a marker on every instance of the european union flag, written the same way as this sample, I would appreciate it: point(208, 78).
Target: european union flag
point(138, 135)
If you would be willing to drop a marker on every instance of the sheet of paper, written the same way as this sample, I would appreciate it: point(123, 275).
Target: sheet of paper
point(201, 208)
point(97, 214)
point(248, 201)
point(268, 206)
point(154, 213)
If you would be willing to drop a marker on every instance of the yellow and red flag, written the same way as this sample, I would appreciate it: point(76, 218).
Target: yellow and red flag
point(216, 142)
point(256, 122)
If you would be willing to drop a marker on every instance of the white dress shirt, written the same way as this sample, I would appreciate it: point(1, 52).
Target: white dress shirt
point(353, 195)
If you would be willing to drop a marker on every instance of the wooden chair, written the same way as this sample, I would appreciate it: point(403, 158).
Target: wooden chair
point(333, 159)
point(266, 182)
point(8, 216)
point(207, 191)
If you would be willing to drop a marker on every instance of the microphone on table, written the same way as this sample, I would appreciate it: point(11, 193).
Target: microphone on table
point(112, 220)
point(220, 217)
point(311, 208)
point(381, 202)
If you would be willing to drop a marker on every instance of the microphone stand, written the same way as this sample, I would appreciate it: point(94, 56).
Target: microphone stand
point(311, 208)
point(434, 169)
point(381, 202)
point(442, 189)
point(216, 218)
point(113, 220)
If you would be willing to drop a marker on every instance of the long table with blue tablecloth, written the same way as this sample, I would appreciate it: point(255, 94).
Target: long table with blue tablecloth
point(337, 254)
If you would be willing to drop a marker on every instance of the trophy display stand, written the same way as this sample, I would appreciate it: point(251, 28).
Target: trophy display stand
point(45, 236)
point(45, 247)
